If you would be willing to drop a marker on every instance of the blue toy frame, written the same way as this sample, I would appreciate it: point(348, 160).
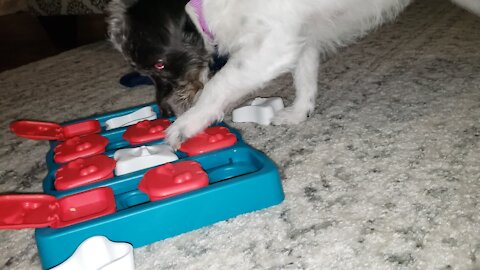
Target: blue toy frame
point(241, 180)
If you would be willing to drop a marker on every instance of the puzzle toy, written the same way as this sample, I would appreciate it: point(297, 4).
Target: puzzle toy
point(112, 176)
point(260, 111)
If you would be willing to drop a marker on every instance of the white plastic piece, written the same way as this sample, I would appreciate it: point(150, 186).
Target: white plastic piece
point(145, 113)
point(99, 253)
point(139, 158)
point(260, 111)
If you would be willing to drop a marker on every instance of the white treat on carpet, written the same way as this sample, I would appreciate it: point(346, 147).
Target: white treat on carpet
point(99, 253)
point(260, 111)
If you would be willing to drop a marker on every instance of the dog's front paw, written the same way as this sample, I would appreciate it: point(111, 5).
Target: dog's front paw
point(175, 136)
point(290, 116)
point(185, 127)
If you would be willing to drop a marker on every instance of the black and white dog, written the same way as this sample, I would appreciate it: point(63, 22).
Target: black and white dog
point(173, 41)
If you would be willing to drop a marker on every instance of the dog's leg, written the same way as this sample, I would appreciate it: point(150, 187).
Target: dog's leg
point(305, 80)
point(246, 71)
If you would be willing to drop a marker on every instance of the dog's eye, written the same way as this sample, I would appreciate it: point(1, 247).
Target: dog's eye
point(159, 65)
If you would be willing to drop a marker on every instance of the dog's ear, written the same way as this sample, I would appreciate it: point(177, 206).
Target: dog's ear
point(152, 12)
point(116, 20)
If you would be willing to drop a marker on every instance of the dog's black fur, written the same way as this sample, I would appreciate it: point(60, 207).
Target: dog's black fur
point(160, 30)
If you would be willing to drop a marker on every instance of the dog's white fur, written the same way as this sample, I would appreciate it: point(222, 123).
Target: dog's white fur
point(266, 38)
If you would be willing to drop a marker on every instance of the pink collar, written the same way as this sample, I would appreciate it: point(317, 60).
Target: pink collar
point(197, 6)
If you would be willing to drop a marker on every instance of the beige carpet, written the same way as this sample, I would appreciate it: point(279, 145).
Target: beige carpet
point(384, 175)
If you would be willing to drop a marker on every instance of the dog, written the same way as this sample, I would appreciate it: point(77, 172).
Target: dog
point(174, 42)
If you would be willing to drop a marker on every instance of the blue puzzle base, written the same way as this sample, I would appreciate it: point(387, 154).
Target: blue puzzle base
point(241, 180)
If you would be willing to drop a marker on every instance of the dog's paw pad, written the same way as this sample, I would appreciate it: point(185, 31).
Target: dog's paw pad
point(289, 116)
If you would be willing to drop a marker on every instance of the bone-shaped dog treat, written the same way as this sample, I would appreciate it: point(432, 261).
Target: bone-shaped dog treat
point(146, 113)
point(99, 253)
point(139, 158)
point(260, 111)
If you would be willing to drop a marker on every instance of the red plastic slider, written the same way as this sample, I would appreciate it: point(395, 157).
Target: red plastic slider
point(146, 131)
point(78, 147)
point(37, 130)
point(211, 139)
point(84, 171)
point(172, 179)
point(40, 210)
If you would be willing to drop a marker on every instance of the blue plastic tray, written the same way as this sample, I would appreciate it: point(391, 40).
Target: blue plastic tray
point(241, 180)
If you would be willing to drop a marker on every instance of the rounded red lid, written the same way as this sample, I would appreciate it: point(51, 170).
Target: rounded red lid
point(211, 139)
point(172, 179)
point(146, 131)
point(84, 171)
point(78, 147)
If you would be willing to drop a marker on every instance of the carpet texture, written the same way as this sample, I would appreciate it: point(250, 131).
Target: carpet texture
point(384, 175)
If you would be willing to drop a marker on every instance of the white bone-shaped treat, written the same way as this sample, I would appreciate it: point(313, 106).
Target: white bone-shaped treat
point(145, 113)
point(260, 111)
point(139, 158)
point(99, 253)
